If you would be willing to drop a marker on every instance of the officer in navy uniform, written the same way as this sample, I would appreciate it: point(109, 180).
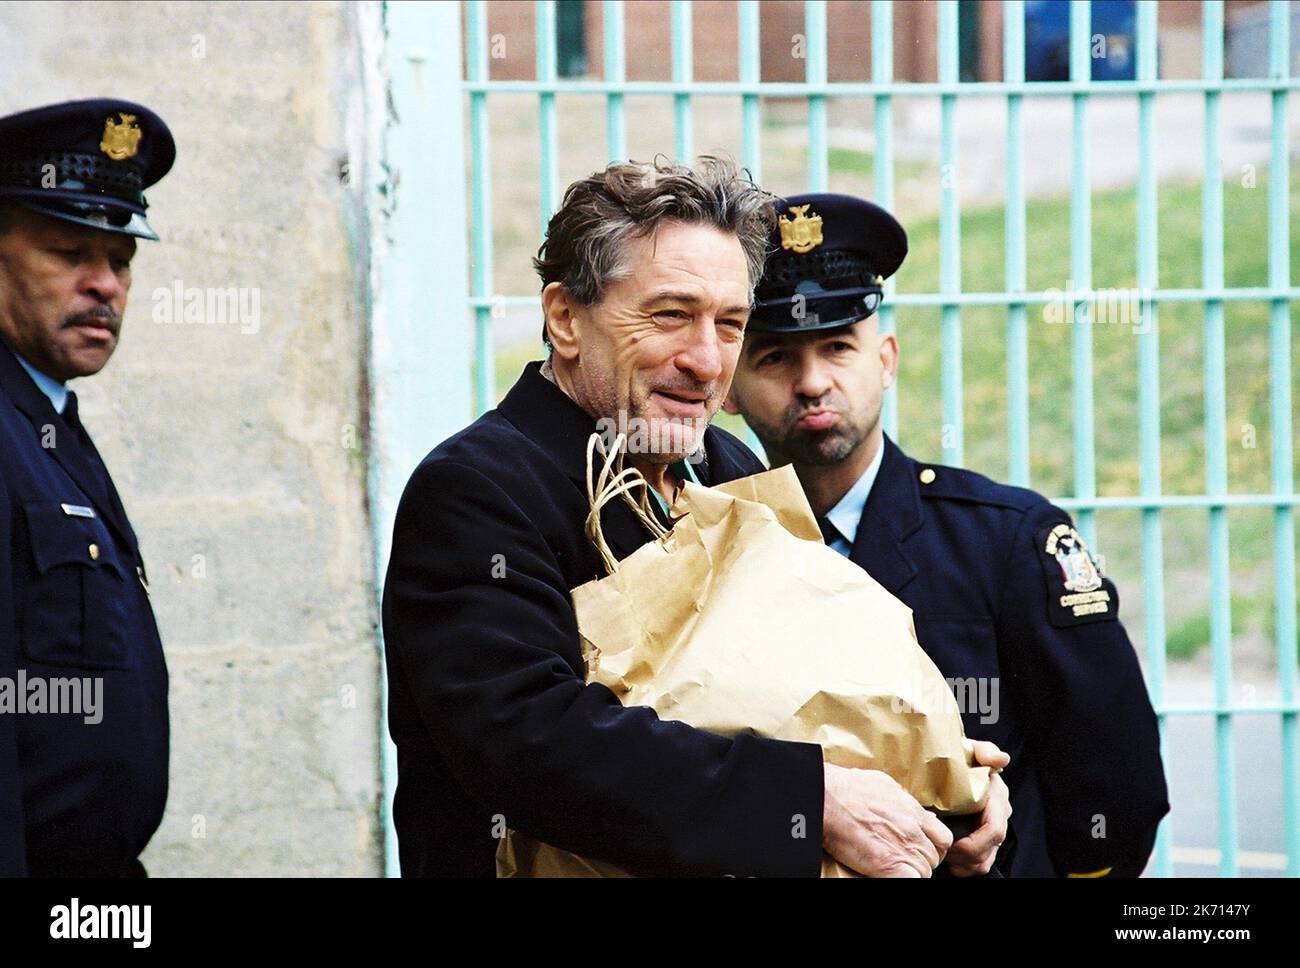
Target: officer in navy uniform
point(81, 789)
point(1004, 592)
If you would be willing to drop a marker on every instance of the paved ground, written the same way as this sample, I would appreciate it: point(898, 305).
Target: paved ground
point(1245, 121)
point(1193, 776)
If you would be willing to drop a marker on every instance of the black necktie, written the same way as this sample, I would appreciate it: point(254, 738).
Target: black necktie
point(830, 533)
point(72, 418)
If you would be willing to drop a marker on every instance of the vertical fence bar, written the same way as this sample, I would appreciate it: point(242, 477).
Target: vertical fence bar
point(546, 73)
point(882, 72)
point(683, 72)
point(481, 206)
point(1085, 472)
point(615, 73)
point(420, 389)
point(1148, 252)
point(1279, 273)
point(1216, 457)
point(814, 25)
point(751, 121)
point(1013, 60)
point(949, 241)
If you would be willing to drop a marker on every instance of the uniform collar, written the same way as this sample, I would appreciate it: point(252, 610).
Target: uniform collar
point(848, 512)
point(77, 457)
point(891, 516)
point(56, 392)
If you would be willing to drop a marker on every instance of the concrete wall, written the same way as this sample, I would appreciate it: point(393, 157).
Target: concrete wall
point(239, 448)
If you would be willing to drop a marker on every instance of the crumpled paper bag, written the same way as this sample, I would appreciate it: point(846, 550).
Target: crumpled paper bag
point(741, 619)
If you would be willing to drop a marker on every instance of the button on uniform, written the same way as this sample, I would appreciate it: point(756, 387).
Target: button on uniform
point(94, 551)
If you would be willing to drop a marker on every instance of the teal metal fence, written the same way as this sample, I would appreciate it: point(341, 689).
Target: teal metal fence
point(1016, 298)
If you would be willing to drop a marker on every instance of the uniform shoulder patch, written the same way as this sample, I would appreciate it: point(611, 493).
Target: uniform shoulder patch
point(1077, 591)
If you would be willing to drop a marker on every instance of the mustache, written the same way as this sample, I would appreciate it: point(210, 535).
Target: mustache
point(99, 316)
point(709, 390)
point(794, 413)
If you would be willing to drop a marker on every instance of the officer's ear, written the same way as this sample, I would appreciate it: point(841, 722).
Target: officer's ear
point(888, 359)
point(729, 404)
point(559, 313)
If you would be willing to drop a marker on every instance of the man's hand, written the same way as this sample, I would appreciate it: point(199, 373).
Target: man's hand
point(873, 825)
point(975, 853)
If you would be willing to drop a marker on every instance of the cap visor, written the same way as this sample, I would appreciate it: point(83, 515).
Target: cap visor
point(137, 226)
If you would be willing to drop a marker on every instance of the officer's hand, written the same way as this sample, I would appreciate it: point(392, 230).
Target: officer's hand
point(975, 853)
point(988, 754)
point(873, 825)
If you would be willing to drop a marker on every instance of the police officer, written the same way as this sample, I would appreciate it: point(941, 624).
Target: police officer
point(83, 684)
point(1008, 601)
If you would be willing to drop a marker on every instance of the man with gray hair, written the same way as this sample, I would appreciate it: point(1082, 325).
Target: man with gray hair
point(648, 274)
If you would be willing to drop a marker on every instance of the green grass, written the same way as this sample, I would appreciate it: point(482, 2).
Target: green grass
point(850, 163)
point(1114, 346)
point(1249, 613)
point(1192, 634)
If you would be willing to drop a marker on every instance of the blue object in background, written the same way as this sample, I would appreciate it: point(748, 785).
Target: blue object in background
point(1112, 40)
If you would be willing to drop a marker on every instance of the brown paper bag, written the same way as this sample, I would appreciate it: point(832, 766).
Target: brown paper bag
point(741, 619)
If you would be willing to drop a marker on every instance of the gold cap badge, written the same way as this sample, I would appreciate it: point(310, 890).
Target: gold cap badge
point(803, 232)
point(121, 141)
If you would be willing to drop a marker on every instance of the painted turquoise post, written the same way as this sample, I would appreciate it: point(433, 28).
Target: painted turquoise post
point(476, 49)
point(1081, 308)
point(419, 364)
point(952, 431)
point(1013, 60)
point(1216, 457)
point(751, 120)
point(683, 71)
point(814, 25)
point(615, 75)
point(544, 41)
point(882, 72)
point(1153, 561)
point(751, 124)
point(1284, 571)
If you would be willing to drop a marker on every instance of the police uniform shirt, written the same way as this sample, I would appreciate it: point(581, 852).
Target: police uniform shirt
point(1005, 594)
point(81, 792)
point(844, 517)
point(56, 392)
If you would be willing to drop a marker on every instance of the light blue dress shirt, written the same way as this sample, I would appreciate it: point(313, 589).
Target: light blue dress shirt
point(52, 388)
point(848, 512)
point(690, 476)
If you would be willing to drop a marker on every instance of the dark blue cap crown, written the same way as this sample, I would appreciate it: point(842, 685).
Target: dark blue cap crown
point(87, 162)
point(828, 258)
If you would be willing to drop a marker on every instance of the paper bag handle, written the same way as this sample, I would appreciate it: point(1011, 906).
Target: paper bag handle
point(609, 485)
